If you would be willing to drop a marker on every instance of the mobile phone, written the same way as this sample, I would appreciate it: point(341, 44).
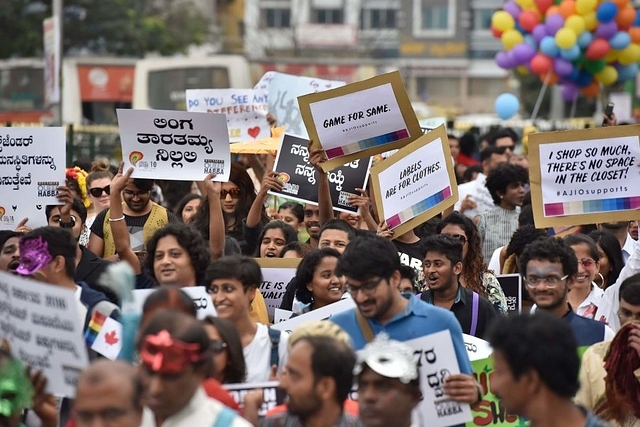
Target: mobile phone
point(608, 111)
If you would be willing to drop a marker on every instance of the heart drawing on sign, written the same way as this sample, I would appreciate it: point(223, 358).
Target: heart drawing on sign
point(39, 207)
point(14, 207)
point(254, 132)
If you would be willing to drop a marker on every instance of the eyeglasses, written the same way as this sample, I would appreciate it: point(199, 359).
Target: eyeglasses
point(234, 192)
point(217, 346)
point(549, 281)
point(133, 194)
point(504, 148)
point(97, 191)
point(460, 237)
point(587, 262)
point(367, 288)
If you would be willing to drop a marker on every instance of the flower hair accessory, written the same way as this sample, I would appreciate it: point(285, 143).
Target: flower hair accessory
point(167, 355)
point(34, 254)
point(79, 175)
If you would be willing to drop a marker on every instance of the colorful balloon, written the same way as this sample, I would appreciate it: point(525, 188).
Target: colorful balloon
point(607, 76)
point(541, 64)
point(567, 8)
point(626, 17)
point(539, 32)
point(591, 90)
point(513, 9)
point(585, 6)
point(543, 5)
point(570, 92)
point(511, 38)
point(620, 40)
point(584, 39)
point(570, 54)
point(575, 23)
point(549, 47)
point(528, 20)
point(597, 49)
point(634, 33)
point(565, 38)
point(523, 53)
point(553, 24)
point(630, 54)
point(590, 21)
point(562, 67)
point(607, 30)
point(506, 106)
point(504, 60)
point(502, 21)
point(595, 66)
point(607, 12)
point(627, 72)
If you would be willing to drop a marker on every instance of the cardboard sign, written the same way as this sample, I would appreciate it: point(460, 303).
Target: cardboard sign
point(437, 360)
point(271, 393)
point(283, 91)
point(175, 145)
point(201, 300)
point(301, 182)
point(323, 313)
point(585, 176)
point(32, 161)
point(360, 119)
point(511, 284)
point(43, 327)
point(276, 274)
point(416, 183)
point(246, 110)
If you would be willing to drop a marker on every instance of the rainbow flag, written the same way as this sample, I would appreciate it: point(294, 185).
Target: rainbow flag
point(95, 324)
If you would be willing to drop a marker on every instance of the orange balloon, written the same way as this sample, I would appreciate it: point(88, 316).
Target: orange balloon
point(592, 90)
point(567, 8)
point(626, 17)
point(553, 10)
point(620, 3)
point(553, 78)
point(634, 33)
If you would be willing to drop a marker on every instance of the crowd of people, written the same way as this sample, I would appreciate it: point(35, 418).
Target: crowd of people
point(571, 359)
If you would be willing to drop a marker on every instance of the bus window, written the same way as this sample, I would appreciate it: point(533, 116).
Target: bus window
point(167, 87)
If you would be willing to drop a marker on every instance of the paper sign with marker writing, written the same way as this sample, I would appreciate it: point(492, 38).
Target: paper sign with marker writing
point(586, 176)
point(416, 183)
point(32, 166)
point(43, 327)
point(201, 299)
point(323, 313)
point(246, 110)
point(175, 145)
point(271, 393)
point(109, 340)
point(360, 119)
point(276, 274)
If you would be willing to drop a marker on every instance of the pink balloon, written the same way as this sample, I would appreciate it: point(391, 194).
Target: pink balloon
point(597, 49)
point(541, 64)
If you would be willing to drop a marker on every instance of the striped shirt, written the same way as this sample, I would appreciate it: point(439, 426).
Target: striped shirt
point(496, 228)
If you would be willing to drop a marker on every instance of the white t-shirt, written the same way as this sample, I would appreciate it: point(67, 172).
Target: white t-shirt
point(494, 263)
point(479, 193)
point(257, 355)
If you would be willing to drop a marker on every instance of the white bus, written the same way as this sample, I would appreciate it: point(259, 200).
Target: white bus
point(160, 83)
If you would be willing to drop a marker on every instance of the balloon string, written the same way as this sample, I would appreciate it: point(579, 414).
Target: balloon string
point(573, 107)
point(536, 108)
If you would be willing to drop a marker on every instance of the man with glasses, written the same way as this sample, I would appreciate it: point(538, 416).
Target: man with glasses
point(371, 269)
point(142, 216)
point(442, 266)
point(548, 266)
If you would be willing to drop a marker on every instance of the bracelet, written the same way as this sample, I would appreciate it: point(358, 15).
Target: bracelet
point(116, 219)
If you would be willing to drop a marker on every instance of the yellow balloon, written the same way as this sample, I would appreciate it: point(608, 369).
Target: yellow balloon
point(590, 21)
point(629, 54)
point(585, 6)
point(565, 38)
point(526, 4)
point(503, 20)
point(608, 76)
point(523, 70)
point(511, 38)
point(575, 23)
point(612, 56)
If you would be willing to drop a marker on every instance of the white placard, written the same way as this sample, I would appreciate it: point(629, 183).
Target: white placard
point(274, 285)
point(477, 348)
point(32, 161)
point(42, 325)
point(437, 360)
point(246, 110)
point(283, 92)
point(272, 395)
point(281, 315)
point(201, 300)
point(175, 145)
point(323, 313)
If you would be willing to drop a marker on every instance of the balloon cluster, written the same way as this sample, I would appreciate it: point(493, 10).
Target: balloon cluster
point(578, 44)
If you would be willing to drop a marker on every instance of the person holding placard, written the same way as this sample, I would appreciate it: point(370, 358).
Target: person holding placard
point(496, 226)
point(98, 190)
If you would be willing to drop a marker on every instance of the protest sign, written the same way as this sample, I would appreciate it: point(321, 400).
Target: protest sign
point(301, 183)
point(584, 176)
point(33, 166)
point(281, 315)
point(246, 110)
point(415, 183)
point(175, 144)
point(283, 91)
point(271, 393)
point(511, 284)
point(437, 360)
point(44, 329)
point(201, 300)
point(276, 274)
point(360, 119)
point(323, 313)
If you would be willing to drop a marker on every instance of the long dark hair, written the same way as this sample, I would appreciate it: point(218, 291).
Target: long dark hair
point(183, 202)
point(236, 371)
point(289, 233)
point(611, 248)
point(306, 269)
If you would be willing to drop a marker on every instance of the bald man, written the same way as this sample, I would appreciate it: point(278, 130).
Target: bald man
point(108, 393)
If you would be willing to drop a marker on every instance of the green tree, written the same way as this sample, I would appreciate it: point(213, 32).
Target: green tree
point(117, 27)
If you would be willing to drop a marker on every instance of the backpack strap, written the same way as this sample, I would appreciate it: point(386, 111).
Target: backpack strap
point(365, 327)
point(274, 336)
point(225, 418)
point(474, 314)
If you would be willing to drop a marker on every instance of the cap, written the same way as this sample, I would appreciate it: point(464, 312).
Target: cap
point(389, 358)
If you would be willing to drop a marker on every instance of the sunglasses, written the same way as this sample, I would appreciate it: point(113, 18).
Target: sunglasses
point(459, 237)
point(217, 346)
point(234, 192)
point(97, 191)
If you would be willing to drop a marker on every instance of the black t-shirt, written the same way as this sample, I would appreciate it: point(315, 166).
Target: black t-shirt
point(412, 254)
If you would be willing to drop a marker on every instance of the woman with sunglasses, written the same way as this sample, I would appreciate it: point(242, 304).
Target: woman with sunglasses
point(585, 296)
point(229, 364)
point(475, 275)
point(98, 187)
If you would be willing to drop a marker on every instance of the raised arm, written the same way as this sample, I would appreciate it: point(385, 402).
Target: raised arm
point(216, 219)
point(270, 182)
point(316, 158)
point(117, 222)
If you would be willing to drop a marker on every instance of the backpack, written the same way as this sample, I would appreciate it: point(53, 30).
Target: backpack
point(274, 336)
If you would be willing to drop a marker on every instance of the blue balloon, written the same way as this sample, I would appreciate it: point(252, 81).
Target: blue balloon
point(620, 40)
point(584, 39)
point(636, 23)
point(584, 78)
point(573, 76)
point(549, 47)
point(627, 72)
point(529, 40)
point(606, 12)
point(506, 106)
point(570, 54)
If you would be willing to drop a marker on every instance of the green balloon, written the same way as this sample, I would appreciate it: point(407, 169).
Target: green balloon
point(595, 66)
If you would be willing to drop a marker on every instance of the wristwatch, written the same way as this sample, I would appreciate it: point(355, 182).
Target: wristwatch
point(69, 224)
